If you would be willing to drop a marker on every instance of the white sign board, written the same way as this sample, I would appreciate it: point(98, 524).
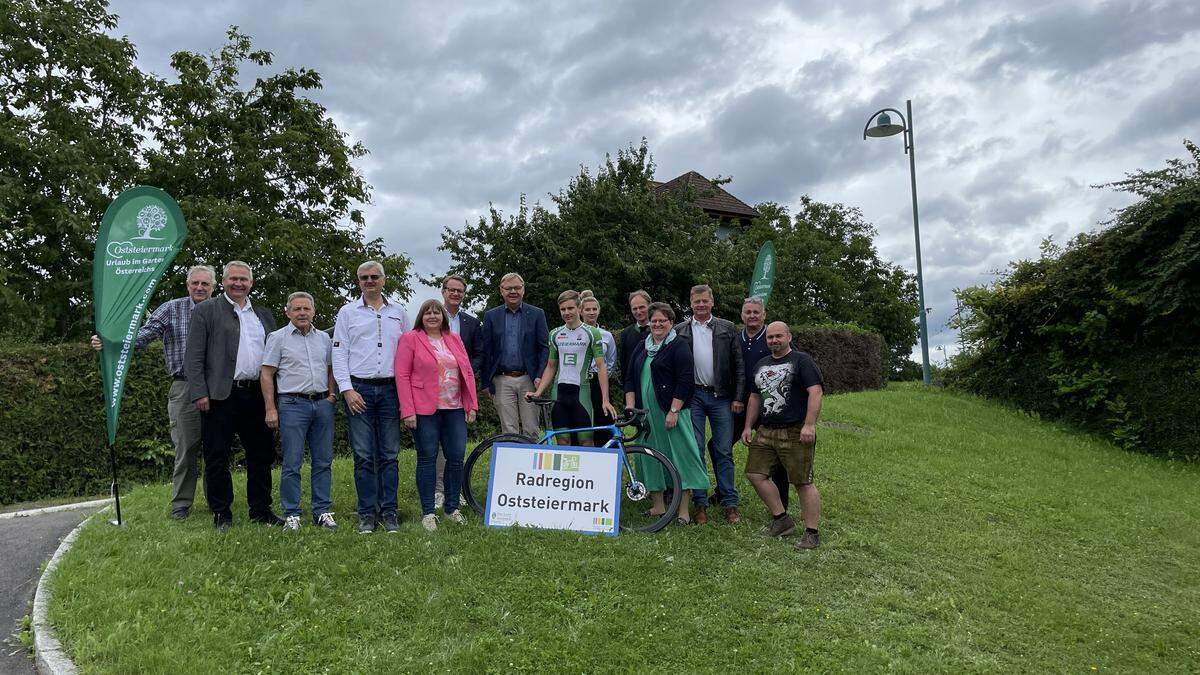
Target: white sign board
point(554, 486)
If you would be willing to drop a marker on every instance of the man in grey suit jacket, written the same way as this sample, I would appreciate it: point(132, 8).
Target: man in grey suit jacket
point(225, 343)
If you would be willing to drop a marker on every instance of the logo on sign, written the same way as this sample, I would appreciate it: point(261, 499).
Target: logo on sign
point(555, 461)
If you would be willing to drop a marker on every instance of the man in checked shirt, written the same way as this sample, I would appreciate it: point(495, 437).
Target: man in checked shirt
point(169, 322)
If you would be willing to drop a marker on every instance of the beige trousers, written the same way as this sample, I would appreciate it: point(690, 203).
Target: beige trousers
point(517, 416)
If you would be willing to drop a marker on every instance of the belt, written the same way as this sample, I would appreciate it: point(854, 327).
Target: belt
point(179, 378)
point(711, 390)
point(312, 397)
point(378, 381)
point(512, 373)
point(245, 384)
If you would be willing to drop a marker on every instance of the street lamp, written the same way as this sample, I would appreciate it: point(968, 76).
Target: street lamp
point(884, 126)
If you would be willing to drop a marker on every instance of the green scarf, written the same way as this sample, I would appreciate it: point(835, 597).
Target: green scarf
point(652, 348)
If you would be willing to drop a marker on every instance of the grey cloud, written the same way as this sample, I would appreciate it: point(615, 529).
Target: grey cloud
point(1071, 39)
point(1175, 109)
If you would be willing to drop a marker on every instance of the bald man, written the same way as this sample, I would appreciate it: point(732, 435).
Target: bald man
point(785, 400)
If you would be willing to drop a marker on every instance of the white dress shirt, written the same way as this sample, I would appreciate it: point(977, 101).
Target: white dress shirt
point(251, 336)
point(364, 341)
point(455, 322)
point(702, 352)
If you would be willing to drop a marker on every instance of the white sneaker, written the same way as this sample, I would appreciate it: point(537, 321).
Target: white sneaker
point(456, 516)
point(291, 524)
point(429, 522)
point(439, 500)
point(326, 521)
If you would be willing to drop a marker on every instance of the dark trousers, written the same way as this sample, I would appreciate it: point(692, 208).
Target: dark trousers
point(242, 413)
point(779, 476)
point(599, 417)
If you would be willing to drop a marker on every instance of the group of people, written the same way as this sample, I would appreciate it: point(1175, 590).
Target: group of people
point(235, 372)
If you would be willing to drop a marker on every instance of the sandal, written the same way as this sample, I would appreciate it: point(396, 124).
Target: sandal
point(683, 521)
point(649, 513)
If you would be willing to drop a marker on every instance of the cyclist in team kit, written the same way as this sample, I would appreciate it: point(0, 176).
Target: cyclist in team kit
point(574, 349)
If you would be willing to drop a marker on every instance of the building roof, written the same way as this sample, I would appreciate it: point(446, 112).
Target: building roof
point(711, 198)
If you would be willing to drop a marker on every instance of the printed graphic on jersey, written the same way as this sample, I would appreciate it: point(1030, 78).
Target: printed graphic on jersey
point(775, 383)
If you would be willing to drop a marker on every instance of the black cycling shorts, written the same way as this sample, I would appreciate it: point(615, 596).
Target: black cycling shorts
point(568, 412)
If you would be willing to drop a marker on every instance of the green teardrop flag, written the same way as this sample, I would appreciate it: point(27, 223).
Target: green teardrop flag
point(764, 273)
point(141, 232)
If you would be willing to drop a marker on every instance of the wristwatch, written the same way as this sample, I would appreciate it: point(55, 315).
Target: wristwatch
point(674, 411)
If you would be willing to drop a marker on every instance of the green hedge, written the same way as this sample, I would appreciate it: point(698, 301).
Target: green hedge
point(850, 359)
point(1102, 331)
point(52, 412)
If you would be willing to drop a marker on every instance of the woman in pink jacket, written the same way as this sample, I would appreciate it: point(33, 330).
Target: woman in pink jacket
point(436, 387)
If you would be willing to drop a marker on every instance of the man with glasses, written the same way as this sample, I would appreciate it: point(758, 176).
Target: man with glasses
point(469, 329)
point(515, 350)
point(365, 334)
point(169, 323)
point(753, 339)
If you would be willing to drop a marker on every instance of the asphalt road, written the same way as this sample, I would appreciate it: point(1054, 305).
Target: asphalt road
point(26, 543)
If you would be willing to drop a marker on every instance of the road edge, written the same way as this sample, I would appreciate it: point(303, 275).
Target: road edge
point(54, 509)
point(49, 656)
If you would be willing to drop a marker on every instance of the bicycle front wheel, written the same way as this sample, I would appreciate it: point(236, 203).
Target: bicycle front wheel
point(652, 470)
point(478, 466)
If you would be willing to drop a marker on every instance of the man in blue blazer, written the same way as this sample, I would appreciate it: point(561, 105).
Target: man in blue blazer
point(463, 323)
point(515, 349)
point(470, 330)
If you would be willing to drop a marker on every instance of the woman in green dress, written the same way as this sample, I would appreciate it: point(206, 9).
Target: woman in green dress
point(660, 379)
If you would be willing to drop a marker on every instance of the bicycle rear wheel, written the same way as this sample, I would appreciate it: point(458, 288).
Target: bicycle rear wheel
point(478, 467)
point(648, 463)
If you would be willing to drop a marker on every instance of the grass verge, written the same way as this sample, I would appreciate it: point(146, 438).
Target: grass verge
point(957, 535)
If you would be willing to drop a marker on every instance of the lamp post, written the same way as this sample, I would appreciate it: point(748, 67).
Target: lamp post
point(885, 127)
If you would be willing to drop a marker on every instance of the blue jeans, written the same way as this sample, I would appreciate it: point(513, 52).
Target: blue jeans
point(301, 419)
point(447, 429)
point(375, 438)
point(716, 410)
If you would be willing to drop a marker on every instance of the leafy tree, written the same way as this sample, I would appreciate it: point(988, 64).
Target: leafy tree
point(613, 233)
point(829, 273)
point(610, 232)
point(73, 108)
point(263, 175)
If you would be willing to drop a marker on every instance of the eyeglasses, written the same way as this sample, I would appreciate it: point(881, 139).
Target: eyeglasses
point(508, 289)
point(370, 277)
point(458, 291)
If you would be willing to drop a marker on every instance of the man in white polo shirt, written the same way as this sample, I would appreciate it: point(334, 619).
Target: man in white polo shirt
point(364, 346)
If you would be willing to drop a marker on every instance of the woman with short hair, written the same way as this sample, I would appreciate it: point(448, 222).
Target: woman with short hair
point(436, 387)
point(660, 379)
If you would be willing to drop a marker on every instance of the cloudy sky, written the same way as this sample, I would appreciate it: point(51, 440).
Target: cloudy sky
point(1020, 107)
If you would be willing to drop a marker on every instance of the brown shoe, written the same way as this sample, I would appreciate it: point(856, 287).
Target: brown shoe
point(732, 515)
point(809, 540)
point(700, 517)
point(780, 527)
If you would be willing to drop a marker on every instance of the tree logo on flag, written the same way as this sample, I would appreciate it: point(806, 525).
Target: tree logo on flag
point(150, 219)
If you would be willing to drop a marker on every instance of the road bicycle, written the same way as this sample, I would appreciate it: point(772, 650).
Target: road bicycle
point(635, 512)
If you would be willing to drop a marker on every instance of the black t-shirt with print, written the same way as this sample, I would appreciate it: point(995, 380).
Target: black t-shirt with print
point(783, 385)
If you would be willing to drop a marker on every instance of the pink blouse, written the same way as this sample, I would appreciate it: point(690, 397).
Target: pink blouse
point(449, 394)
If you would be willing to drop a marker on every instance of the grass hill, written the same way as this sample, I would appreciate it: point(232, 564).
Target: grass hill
point(957, 535)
